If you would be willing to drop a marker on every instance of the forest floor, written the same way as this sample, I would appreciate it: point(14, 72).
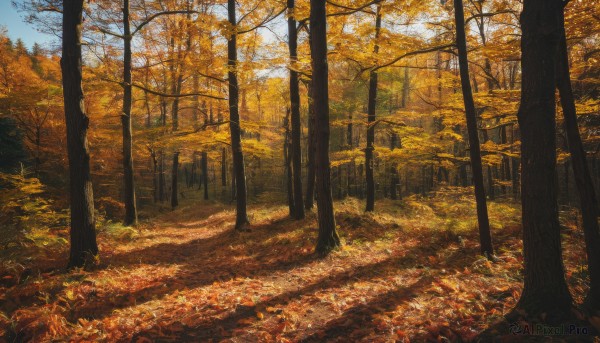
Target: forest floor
point(410, 271)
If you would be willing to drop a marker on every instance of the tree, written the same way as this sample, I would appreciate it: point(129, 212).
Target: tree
point(371, 108)
point(295, 113)
point(583, 178)
point(83, 232)
point(485, 237)
point(234, 122)
point(328, 238)
point(129, 182)
point(545, 290)
point(311, 148)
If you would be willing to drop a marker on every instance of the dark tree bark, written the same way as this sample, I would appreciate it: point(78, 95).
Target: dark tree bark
point(146, 97)
point(405, 88)
point(224, 167)
point(583, 178)
point(514, 165)
point(310, 167)
point(129, 183)
point(193, 172)
point(474, 149)
point(372, 104)
point(83, 232)
point(394, 179)
point(205, 173)
point(545, 290)
point(161, 177)
point(295, 113)
point(154, 175)
point(174, 173)
point(234, 124)
point(328, 238)
point(288, 166)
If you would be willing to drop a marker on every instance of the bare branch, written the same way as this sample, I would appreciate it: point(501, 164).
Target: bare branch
point(165, 95)
point(156, 15)
point(267, 19)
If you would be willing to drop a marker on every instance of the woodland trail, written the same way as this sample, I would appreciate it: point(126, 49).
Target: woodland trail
point(187, 276)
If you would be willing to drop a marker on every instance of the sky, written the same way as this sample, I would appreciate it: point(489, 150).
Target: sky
point(13, 21)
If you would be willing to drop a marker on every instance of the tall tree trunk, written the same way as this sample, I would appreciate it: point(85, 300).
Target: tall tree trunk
point(288, 166)
point(174, 174)
point(224, 167)
point(545, 290)
point(394, 180)
point(129, 183)
point(514, 164)
point(505, 161)
point(161, 177)
point(154, 175)
point(146, 98)
point(83, 232)
point(310, 167)
point(205, 173)
point(485, 236)
point(234, 123)
point(295, 113)
point(369, 162)
point(328, 238)
point(583, 178)
point(405, 88)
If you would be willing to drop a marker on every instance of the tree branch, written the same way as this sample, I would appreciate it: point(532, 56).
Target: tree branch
point(156, 15)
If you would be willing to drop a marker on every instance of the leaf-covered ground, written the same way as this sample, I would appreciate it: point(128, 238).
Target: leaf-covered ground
point(408, 272)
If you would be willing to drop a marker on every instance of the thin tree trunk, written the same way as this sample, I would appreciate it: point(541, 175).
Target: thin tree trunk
point(296, 151)
point(545, 290)
point(328, 238)
point(405, 88)
point(83, 232)
point(581, 171)
point(372, 104)
point(154, 175)
point(205, 173)
point(474, 149)
point(174, 172)
point(129, 183)
point(288, 167)
point(161, 177)
point(234, 124)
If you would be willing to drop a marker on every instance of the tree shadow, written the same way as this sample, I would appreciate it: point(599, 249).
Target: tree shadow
point(358, 321)
point(220, 328)
point(202, 262)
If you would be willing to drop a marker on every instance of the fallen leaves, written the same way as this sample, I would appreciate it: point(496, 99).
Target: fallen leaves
point(189, 279)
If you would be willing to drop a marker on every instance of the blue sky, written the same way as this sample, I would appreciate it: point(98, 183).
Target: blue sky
point(17, 28)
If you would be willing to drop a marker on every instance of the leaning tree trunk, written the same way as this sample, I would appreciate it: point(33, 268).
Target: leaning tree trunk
point(545, 290)
point(583, 178)
point(129, 189)
point(328, 238)
point(234, 124)
point(369, 163)
point(485, 237)
point(83, 232)
point(296, 151)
